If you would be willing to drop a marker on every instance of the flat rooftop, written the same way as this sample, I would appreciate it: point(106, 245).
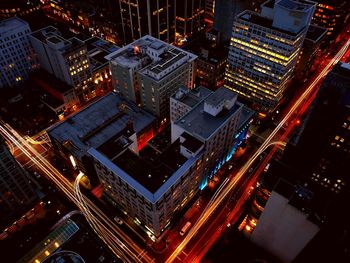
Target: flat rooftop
point(192, 97)
point(294, 5)
point(126, 56)
point(9, 25)
point(137, 54)
point(151, 169)
point(219, 95)
point(98, 49)
point(52, 34)
point(257, 19)
point(315, 33)
point(202, 124)
point(167, 59)
point(100, 121)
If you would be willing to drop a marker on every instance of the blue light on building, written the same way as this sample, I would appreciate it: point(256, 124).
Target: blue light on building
point(239, 138)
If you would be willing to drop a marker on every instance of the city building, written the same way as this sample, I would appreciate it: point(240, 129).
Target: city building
point(287, 223)
point(97, 50)
point(148, 71)
point(225, 12)
point(66, 59)
point(189, 19)
point(332, 15)
point(315, 164)
point(209, 12)
point(264, 50)
point(184, 100)
point(17, 192)
point(52, 244)
point(157, 182)
point(148, 18)
point(150, 186)
point(102, 121)
point(17, 58)
point(101, 20)
point(56, 94)
point(212, 58)
point(11, 8)
point(315, 36)
point(220, 123)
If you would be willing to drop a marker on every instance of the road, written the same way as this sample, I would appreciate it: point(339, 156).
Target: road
point(288, 118)
point(119, 243)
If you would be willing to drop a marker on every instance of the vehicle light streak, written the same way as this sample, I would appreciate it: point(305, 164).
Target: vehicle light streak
point(232, 183)
point(119, 243)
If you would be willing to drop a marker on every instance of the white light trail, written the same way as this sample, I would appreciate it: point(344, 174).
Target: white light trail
point(230, 186)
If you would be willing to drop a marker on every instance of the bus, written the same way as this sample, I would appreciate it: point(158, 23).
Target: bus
point(185, 228)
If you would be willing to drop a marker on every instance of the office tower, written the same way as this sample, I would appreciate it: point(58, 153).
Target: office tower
point(170, 21)
point(16, 191)
point(156, 18)
point(220, 123)
point(264, 49)
point(212, 58)
point(66, 59)
point(96, 124)
point(158, 181)
point(209, 12)
point(189, 19)
point(102, 19)
point(148, 71)
point(17, 57)
point(332, 15)
point(225, 12)
point(319, 162)
point(315, 36)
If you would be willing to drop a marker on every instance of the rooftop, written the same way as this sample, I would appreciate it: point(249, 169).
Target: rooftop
point(294, 5)
point(220, 95)
point(11, 24)
point(129, 56)
point(202, 125)
point(257, 19)
point(98, 49)
point(191, 97)
point(151, 173)
point(155, 57)
point(151, 169)
point(315, 33)
point(52, 35)
point(99, 122)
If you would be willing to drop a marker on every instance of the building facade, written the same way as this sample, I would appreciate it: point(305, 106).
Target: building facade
point(220, 123)
point(17, 193)
point(185, 99)
point(315, 165)
point(148, 71)
point(331, 15)
point(152, 185)
point(66, 59)
point(97, 50)
point(17, 57)
point(264, 50)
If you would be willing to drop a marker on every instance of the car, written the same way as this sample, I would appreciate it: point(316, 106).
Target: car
point(118, 220)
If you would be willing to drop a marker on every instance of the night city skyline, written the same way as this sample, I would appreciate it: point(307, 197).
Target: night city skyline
point(158, 131)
